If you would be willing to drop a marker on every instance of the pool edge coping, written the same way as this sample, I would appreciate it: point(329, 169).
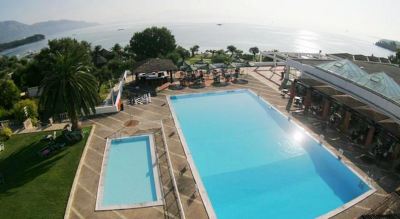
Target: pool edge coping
point(154, 162)
point(71, 196)
point(199, 182)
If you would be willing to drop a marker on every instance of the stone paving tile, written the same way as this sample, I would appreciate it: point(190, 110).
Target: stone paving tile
point(149, 212)
point(73, 215)
point(103, 132)
point(194, 210)
point(109, 122)
point(186, 186)
point(121, 116)
point(93, 160)
point(85, 206)
point(352, 212)
point(89, 179)
point(98, 144)
point(175, 147)
point(155, 108)
point(371, 201)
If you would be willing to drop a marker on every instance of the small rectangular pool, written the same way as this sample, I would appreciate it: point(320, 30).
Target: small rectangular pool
point(129, 175)
point(250, 161)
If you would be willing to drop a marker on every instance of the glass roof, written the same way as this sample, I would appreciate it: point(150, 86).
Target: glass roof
point(379, 82)
point(383, 84)
point(344, 68)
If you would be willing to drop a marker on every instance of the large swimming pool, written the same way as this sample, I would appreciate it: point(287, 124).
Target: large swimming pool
point(250, 161)
point(129, 176)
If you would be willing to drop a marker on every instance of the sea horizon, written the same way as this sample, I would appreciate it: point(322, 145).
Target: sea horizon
point(213, 36)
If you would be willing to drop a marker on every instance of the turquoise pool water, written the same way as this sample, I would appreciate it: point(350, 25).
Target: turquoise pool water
point(129, 177)
point(254, 163)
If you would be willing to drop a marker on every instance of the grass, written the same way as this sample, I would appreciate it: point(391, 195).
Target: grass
point(37, 187)
point(198, 57)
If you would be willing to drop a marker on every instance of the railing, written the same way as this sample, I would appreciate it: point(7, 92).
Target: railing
point(182, 213)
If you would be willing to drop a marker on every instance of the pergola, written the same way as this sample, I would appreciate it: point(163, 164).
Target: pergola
point(354, 105)
point(155, 65)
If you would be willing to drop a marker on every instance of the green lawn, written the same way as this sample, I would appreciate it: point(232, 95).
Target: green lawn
point(198, 57)
point(36, 187)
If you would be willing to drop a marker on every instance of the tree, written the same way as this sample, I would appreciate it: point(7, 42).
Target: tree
point(212, 51)
point(220, 52)
point(239, 52)
point(194, 49)
point(220, 58)
point(70, 87)
point(117, 49)
point(102, 75)
point(232, 49)
point(254, 51)
point(152, 43)
point(8, 65)
point(174, 57)
point(97, 59)
point(9, 93)
point(395, 58)
point(31, 109)
point(34, 72)
point(183, 53)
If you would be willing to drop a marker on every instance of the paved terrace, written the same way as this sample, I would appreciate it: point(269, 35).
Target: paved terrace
point(83, 194)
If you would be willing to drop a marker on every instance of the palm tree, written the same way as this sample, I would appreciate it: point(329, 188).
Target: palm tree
point(194, 49)
point(254, 50)
point(213, 51)
point(69, 88)
point(117, 50)
point(98, 60)
point(232, 49)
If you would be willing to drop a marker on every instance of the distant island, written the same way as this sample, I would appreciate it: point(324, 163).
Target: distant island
point(391, 45)
point(16, 43)
point(14, 30)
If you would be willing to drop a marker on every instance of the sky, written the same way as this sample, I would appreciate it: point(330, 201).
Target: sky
point(377, 18)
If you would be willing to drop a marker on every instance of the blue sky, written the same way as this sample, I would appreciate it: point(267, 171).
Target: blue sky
point(370, 17)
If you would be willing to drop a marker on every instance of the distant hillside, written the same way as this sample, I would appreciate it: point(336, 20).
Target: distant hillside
point(14, 30)
point(389, 44)
point(16, 43)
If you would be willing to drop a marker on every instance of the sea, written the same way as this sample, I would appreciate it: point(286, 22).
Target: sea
point(219, 36)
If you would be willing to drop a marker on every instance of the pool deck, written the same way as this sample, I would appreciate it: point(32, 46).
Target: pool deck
point(84, 192)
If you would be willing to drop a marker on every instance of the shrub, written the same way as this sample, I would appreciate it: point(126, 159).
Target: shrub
point(220, 58)
point(4, 114)
point(5, 133)
point(31, 106)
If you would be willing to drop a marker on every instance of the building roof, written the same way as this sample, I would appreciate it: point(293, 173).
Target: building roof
point(345, 68)
point(370, 67)
point(379, 82)
point(154, 65)
point(383, 84)
point(343, 55)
